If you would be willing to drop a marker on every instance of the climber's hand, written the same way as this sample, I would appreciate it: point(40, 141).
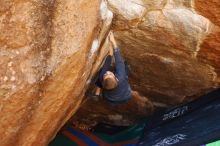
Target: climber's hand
point(112, 39)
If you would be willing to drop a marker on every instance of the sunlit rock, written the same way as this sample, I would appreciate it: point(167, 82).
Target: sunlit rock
point(163, 49)
point(47, 50)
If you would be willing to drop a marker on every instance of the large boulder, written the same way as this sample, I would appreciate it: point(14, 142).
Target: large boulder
point(210, 47)
point(49, 51)
point(173, 50)
point(99, 110)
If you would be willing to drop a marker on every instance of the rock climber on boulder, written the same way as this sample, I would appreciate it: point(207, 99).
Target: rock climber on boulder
point(114, 84)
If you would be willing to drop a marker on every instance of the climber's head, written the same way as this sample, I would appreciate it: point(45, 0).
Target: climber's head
point(109, 81)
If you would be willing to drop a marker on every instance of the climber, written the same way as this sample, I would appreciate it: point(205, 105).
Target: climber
point(114, 84)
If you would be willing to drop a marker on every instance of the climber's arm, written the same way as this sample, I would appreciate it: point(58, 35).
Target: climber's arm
point(105, 67)
point(119, 64)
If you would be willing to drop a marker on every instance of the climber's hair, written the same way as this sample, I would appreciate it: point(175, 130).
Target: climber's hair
point(109, 83)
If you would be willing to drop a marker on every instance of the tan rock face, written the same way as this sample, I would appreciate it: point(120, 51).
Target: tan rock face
point(47, 49)
point(51, 49)
point(163, 46)
point(210, 47)
point(93, 111)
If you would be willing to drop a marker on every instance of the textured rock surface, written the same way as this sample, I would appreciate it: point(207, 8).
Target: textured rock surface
point(48, 49)
point(101, 111)
point(210, 47)
point(51, 49)
point(168, 47)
